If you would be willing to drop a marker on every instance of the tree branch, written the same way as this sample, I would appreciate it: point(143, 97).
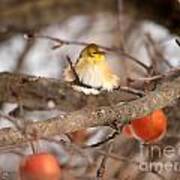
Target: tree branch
point(36, 93)
point(162, 96)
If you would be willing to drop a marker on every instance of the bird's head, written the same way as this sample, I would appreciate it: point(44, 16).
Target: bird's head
point(92, 54)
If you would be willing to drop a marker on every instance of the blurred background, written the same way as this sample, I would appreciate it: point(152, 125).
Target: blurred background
point(145, 30)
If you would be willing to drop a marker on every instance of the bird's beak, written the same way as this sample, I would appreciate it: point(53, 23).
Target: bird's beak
point(101, 52)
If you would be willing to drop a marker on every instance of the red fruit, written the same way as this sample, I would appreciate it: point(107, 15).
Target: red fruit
point(42, 166)
point(126, 131)
point(150, 128)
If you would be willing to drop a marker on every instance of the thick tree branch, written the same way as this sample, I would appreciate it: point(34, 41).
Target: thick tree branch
point(162, 96)
point(36, 93)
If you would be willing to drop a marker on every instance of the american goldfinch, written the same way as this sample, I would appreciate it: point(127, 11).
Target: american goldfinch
point(93, 72)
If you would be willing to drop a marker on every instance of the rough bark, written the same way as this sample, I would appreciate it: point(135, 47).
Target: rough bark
point(163, 95)
point(36, 93)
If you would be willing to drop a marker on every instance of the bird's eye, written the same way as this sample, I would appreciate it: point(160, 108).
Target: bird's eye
point(92, 53)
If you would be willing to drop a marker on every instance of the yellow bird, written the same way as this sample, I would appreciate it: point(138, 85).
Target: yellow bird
point(93, 72)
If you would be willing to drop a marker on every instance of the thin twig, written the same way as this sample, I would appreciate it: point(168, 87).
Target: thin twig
point(132, 90)
point(116, 157)
point(147, 68)
point(153, 67)
point(73, 70)
point(120, 23)
point(101, 170)
point(157, 51)
point(168, 74)
point(67, 42)
point(23, 55)
point(126, 160)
